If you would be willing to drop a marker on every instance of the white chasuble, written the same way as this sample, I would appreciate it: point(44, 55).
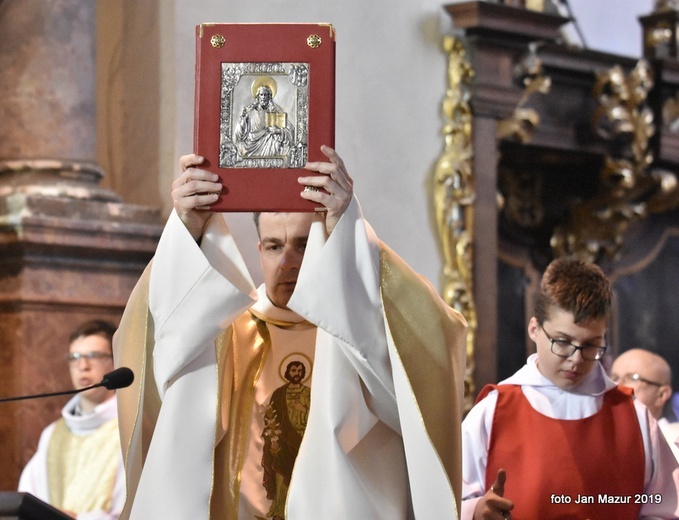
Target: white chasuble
point(381, 435)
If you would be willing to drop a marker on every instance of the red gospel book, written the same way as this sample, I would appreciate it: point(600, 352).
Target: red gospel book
point(264, 105)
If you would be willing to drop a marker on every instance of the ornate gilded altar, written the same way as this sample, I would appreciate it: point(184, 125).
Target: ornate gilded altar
point(551, 150)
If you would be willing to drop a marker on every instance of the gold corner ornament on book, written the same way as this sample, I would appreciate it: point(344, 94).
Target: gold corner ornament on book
point(264, 106)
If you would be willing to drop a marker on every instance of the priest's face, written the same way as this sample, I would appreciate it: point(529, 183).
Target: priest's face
point(282, 242)
point(566, 372)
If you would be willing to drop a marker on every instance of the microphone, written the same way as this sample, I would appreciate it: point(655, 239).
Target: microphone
point(119, 378)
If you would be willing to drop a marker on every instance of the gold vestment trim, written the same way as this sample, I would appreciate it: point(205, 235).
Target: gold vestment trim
point(430, 339)
point(81, 469)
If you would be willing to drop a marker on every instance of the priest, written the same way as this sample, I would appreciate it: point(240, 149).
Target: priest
point(382, 354)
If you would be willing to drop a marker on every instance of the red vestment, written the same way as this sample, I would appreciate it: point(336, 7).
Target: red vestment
point(553, 464)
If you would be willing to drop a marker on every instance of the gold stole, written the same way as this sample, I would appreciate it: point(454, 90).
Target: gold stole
point(139, 404)
point(241, 353)
point(81, 470)
point(430, 340)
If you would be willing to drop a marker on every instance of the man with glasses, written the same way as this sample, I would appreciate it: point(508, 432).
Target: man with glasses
point(559, 439)
point(78, 466)
point(650, 376)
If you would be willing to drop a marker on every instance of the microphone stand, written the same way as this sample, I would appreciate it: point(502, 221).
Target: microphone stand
point(51, 394)
point(119, 378)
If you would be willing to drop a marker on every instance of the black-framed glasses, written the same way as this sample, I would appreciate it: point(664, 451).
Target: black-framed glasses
point(566, 349)
point(631, 378)
point(74, 357)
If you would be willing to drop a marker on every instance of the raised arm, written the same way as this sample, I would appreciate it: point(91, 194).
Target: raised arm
point(337, 183)
point(193, 192)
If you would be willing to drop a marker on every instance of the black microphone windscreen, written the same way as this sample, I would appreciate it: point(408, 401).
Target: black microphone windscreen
point(119, 378)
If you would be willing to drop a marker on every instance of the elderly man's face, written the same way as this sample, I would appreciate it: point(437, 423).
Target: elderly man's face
point(282, 242)
point(652, 384)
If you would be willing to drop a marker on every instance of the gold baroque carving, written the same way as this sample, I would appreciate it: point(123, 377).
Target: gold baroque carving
point(523, 122)
point(659, 36)
point(454, 194)
point(661, 6)
point(519, 193)
point(629, 189)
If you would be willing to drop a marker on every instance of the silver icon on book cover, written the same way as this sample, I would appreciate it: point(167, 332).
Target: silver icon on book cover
point(264, 115)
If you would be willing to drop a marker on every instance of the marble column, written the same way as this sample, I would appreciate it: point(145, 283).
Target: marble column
point(48, 99)
point(70, 250)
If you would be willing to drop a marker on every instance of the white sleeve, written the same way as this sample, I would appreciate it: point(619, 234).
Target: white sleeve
point(476, 429)
point(661, 480)
point(338, 289)
point(33, 478)
point(365, 418)
point(195, 293)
